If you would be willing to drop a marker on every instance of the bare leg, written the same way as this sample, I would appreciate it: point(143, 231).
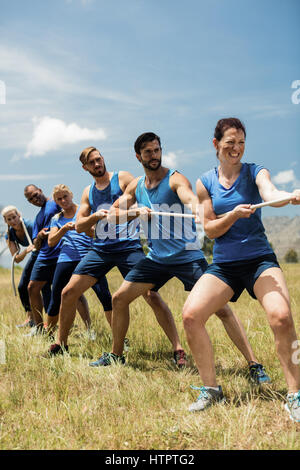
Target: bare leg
point(120, 318)
point(36, 302)
point(108, 315)
point(271, 290)
point(83, 310)
point(164, 317)
point(77, 285)
point(208, 295)
point(51, 322)
point(236, 332)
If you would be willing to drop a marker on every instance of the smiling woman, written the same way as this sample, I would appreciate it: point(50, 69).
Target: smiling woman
point(242, 259)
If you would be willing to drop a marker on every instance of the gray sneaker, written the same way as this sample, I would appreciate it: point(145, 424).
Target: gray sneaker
point(36, 331)
point(206, 398)
point(126, 345)
point(292, 406)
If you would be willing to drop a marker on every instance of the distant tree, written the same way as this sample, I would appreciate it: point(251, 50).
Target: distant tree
point(291, 256)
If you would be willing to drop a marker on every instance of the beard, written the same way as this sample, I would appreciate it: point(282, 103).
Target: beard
point(148, 164)
point(98, 173)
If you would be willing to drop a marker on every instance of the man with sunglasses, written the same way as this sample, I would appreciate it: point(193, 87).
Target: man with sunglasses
point(44, 267)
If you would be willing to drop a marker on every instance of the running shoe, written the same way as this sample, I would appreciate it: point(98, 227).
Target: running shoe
point(27, 323)
point(207, 397)
point(126, 345)
point(258, 374)
point(36, 331)
point(108, 359)
point(179, 358)
point(292, 406)
point(56, 350)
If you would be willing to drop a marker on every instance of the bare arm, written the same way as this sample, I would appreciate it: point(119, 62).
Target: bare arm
point(20, 256)
point(56, 233)
point(122, 210)
point(214, 227)
point(269, 192)
point(85, 220)
point(183, 188)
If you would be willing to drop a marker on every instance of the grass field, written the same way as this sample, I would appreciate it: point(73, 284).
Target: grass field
point(61, 403)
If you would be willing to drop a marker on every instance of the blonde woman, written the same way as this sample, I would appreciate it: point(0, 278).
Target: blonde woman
point(74, 247)
point(15, 238)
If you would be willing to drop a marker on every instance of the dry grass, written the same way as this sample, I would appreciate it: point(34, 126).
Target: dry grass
point(61, 403)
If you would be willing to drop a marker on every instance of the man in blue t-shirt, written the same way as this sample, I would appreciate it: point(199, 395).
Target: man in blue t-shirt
point(43, 270)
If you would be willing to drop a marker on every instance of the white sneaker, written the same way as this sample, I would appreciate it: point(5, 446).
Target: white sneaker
point(292, 406)
point(126, 345)
point(206, 398)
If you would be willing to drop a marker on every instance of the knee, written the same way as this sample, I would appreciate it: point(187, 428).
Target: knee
point(224, 313)
point(33, 288)
point(69, 294)
point(281, 319)
point(191, 317)
point(119, 300)
point(153, 298)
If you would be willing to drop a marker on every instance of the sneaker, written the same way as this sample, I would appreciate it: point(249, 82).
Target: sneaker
point(107, 359)
point(27, 323)
point(126, 345)
point(258, 374)
point(179, 358)
point(292, 406)
point(36, 331)
point(207, 397)
point(57, 349)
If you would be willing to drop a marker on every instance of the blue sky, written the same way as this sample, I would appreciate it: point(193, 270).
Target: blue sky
point(93, 72)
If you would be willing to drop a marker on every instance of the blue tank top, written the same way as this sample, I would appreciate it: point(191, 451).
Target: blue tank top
point(42, 220)
point(246, 238)
point(110, 237)
point(74, 245)
point(171, 240)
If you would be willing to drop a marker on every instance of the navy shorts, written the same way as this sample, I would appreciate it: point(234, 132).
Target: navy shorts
point(151, 272)
point(97, 264)
point(240, 275)
point(43, 270)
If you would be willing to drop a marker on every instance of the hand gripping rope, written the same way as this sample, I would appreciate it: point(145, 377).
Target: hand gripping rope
point(261, 204)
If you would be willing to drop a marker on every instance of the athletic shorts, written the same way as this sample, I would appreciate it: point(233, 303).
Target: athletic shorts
point(240, 275)
point(43, 270)
point(151, 272)
point(97, 264)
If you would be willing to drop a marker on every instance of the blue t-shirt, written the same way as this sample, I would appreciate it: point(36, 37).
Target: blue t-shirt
point(110, 237)
point(74, 245)
point(13, 236)
point(246, 238)
point(42, 220)
point(171, 240)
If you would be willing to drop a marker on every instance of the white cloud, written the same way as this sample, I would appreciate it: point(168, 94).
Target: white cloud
point(24, 177)
point(170, 160)
point(52, 134)
point(285, 177)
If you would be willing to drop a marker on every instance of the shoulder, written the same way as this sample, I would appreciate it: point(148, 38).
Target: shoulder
point(125, 179)
point(207, 179)
point(132, 186)
point(254, 169)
